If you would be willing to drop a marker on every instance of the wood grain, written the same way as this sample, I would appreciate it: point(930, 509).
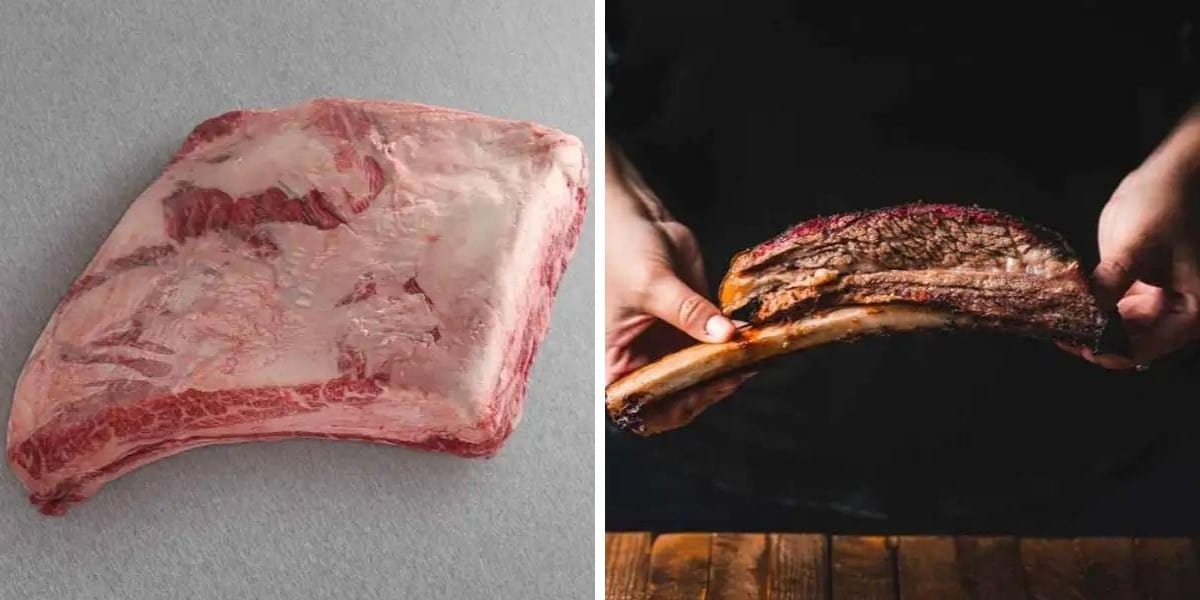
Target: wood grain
point(863, 568)
point(927, 567)
point(1107, 568)
point(797, 567)
point(812, 566)
point(626, 566)
point(679, 566)
point(738, 568)
point(1052, 569)
point(1165, 568)
point(990, 567)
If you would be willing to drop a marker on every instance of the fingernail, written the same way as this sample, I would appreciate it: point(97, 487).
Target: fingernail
point(718, 327)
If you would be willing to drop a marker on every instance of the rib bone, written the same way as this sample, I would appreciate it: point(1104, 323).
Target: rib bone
point(671, 391)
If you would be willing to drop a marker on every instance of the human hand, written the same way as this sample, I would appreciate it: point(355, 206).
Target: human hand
point(653, 271)
point(1149, 238)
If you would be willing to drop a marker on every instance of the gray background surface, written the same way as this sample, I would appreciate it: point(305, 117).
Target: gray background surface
point(94, 96)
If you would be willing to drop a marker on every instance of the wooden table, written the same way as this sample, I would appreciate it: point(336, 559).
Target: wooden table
point(794, 566)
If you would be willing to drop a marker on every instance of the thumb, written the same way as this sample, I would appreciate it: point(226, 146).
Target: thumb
point(671, 300)
point(1113, 277)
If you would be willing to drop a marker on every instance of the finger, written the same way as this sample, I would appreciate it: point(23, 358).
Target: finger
point(695, 277)
point(687, 255)
point(1161, 323)
point(620, 362)
point(1112, 278)
point(1108, 361)
point(671, 300)
point(1140, 289)
point(1074, 349)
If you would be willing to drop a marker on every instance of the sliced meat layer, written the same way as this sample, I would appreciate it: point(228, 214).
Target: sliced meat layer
point(972, 260)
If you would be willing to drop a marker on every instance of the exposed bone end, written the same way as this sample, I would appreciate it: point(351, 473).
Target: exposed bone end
point(657, 417)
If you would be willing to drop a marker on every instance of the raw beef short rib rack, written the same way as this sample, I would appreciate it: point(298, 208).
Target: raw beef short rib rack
point(344, 269)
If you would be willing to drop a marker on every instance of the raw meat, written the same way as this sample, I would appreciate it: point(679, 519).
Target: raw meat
point(842, 277)
point(344, 269)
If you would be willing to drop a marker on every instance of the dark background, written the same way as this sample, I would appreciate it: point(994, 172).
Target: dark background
point(746, 117)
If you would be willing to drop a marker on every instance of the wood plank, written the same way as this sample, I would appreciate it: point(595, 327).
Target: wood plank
point(1107, 568)
point(1166, 568)
point(738, 568)
point(990, 567)
point(1052, 568)
point(797, 567)
point(864, 568)
point(626, 566)
point(927, 567)
point(679, 566)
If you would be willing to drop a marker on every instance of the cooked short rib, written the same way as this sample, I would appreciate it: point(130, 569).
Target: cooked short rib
point(972, 260)
point(904, 268)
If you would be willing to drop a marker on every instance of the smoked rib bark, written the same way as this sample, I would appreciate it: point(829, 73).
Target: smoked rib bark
point(903, 268)
point(367, 270)
point(972, 260)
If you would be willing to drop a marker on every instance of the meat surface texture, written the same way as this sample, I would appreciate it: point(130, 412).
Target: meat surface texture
point(972, 260)
point(344, 269)
point(832, 279)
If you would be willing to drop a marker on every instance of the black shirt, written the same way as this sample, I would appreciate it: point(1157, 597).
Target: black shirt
point(746, 117)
